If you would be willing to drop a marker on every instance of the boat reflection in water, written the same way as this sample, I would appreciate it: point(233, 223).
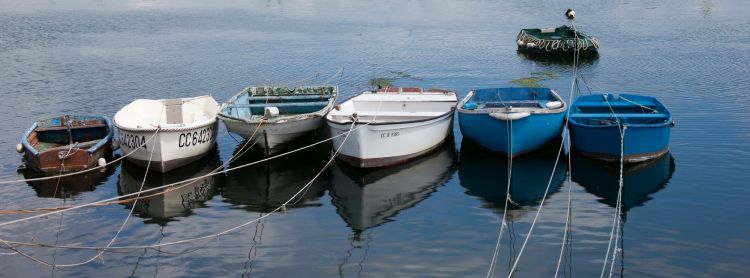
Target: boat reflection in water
point(485, 175)
point(639, 180)
point(367, 198)
point(265, 186)
point(69, 186)
point(177, 200)
point(584, 60)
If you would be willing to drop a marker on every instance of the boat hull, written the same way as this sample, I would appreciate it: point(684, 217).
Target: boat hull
point(380, 145)
point(274, 137)
point(641, 143)
point(171, 148)
point(526, 134)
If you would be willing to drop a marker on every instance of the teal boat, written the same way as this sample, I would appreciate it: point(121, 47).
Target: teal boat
point(560, 40)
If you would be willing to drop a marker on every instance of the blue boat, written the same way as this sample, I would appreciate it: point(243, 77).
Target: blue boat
point(512, 121)
point(596, 120)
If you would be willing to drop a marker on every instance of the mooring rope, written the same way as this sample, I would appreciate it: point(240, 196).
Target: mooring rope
point(566, 138)
point(618, 205)
point(503, 223)
point(226, 231)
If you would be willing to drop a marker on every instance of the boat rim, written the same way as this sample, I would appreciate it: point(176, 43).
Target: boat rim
point(561, 109)
point(320, 113)
point(110, 133)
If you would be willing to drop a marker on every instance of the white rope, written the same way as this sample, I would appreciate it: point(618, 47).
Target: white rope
point(503, 224)
point(352, 129)
point(566, 138)
point(615, 222)
point(283, 205)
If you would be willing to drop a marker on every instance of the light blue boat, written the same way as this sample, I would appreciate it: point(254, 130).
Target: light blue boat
point(595, 122)
point(512, 121)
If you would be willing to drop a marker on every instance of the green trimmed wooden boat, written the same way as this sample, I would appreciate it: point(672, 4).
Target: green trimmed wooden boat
point(560, 40)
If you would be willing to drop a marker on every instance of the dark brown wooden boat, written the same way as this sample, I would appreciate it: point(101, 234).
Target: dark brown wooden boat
point(67, 143)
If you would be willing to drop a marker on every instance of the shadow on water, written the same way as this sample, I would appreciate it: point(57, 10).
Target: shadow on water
point(171, 202)
point(639, 180)
point(265, 186)
point(585, 60)
point(485, 175)
point(67, 187)
point(367, 198)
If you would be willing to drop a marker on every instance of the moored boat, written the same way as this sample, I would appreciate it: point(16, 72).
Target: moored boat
point(392, 125)
point(560, 40)
point(67, 143)
point(512, 121)
point(597, 121)
point(186, 131)
point(277, 116)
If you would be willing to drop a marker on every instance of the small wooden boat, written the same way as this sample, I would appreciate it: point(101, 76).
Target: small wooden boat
point(560, 40)
point(595, 122)
point(186, 131)
point(67, 143)
point(512, 121)
point(284, 114)
point(393, 125)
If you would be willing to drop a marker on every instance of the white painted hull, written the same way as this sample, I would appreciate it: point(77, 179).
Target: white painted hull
point(378, 145)
point(171, 148)
point(186, 131)
point(274, 136)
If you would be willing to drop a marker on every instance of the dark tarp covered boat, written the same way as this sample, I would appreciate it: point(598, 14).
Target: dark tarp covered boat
point(560, 40)
point(67, 143)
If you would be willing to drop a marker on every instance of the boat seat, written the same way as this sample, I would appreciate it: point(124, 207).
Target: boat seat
point(81, 145)
point(280, 104)
point(296, 97)
point(65, 127)
point(616, 104)
point(622, 116)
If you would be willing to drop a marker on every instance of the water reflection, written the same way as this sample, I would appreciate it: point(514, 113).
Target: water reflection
point(368, 198)
point(639, 180)
point(67, 187)
point(265, 186)
point(585, 60)
point(171, 202)
point(485, 175)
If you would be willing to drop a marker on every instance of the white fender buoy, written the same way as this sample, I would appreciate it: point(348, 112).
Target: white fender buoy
point(509, 116)
point(19, 148)
point(102, 162)
point(531, 45)
point(519, 42)
point(554, 104)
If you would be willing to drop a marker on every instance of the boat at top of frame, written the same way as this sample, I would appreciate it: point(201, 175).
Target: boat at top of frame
point(560, 40)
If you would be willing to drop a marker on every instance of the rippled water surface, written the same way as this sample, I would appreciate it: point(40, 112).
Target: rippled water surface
point(684, 215)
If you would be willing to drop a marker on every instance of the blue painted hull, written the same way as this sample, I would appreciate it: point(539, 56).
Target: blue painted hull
point(512, 121)
point(526, 135)
point(597, 135)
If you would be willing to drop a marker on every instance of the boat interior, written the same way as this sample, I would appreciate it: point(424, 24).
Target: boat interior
point(64, 132)
point(284, 101)
point(637, 111)
point(562, 32)
point(530, 98)
point(144, 113)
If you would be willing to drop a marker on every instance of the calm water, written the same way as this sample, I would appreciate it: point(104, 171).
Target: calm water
point(685, 214)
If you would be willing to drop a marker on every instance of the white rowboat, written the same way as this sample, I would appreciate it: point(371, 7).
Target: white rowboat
point(393, 125)
point(187, 131)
